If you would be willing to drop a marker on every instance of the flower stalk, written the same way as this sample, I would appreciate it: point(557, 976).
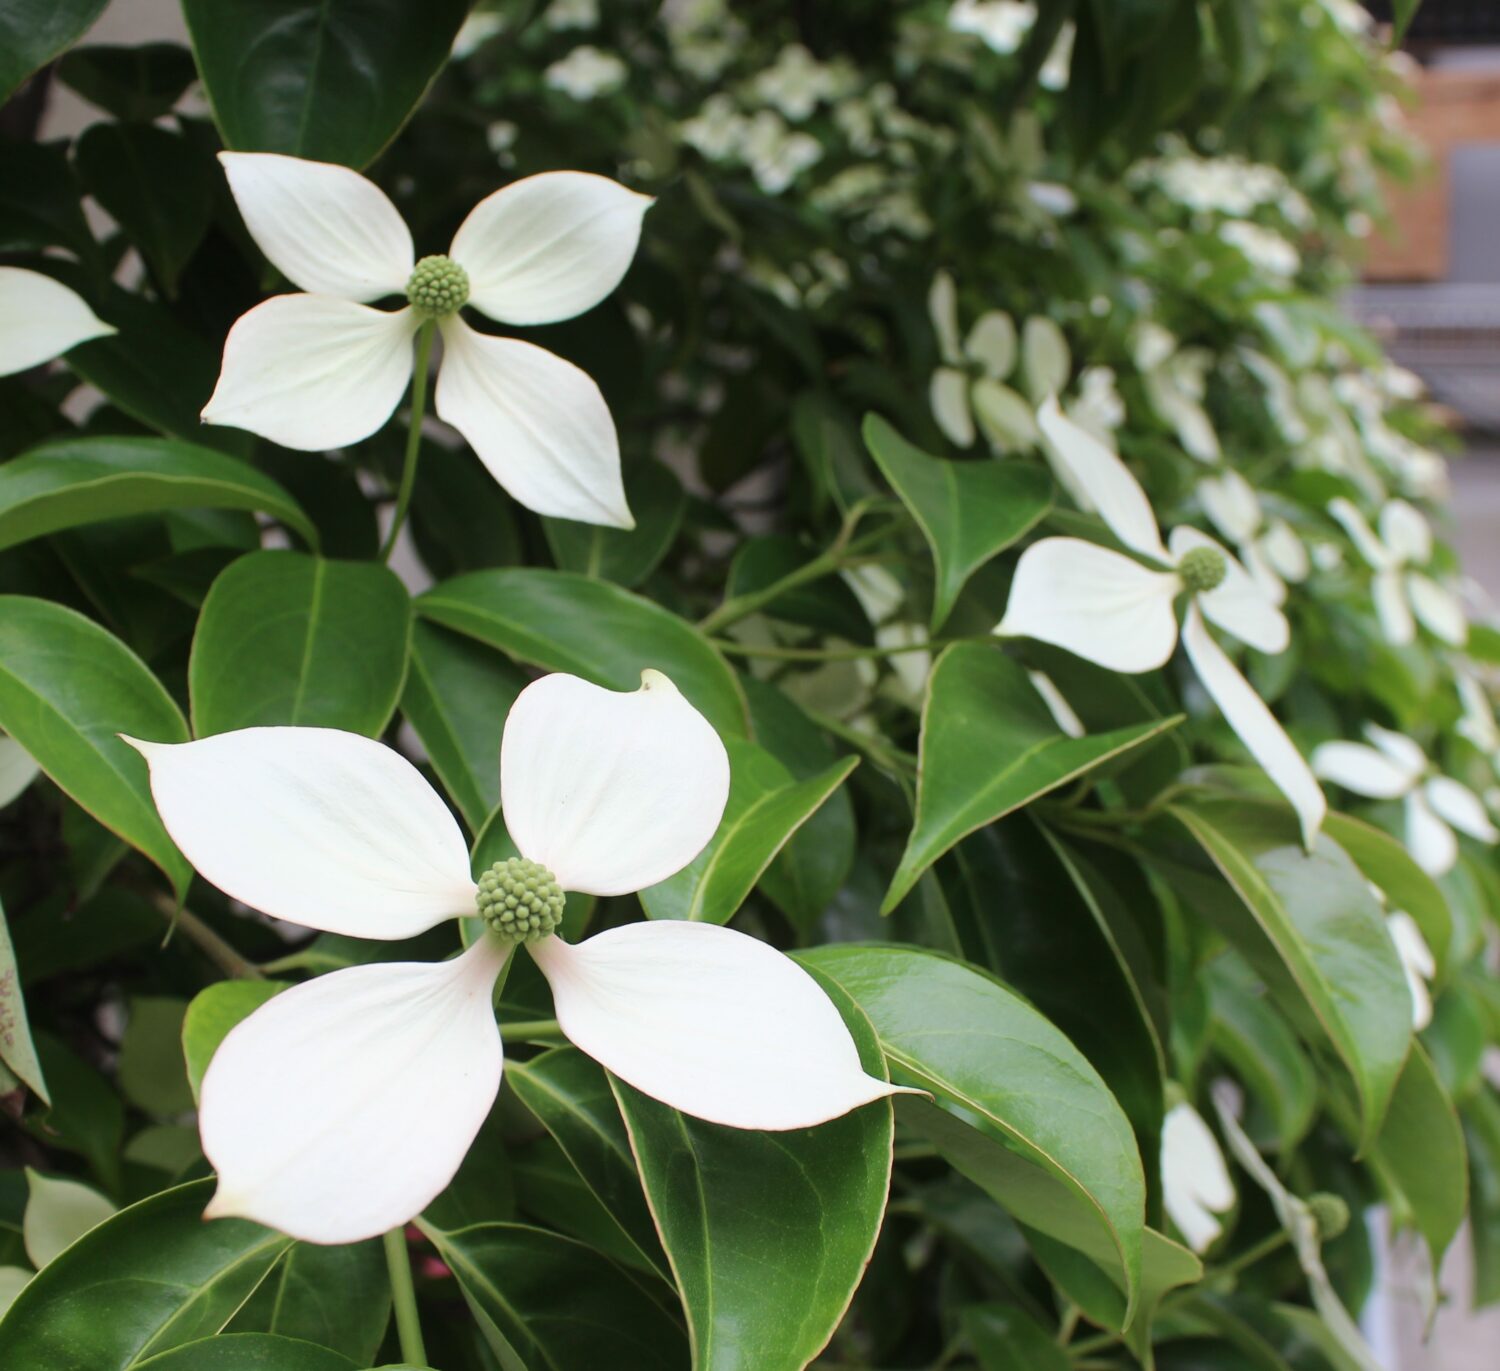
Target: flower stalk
point(413, 437)
point(404, 1298)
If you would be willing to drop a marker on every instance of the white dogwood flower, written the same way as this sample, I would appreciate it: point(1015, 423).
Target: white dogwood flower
point(1403, 544)
point(586, 72)
point(324, 370)
point(1002, 25)
point(1271, 551)
point(342, 1107)
point(1396, 768)
point(1195, 1183)
point(968, 385)
point(1110, 609)
point(1176, 380)
point(1478, 722)
point(1417, 962)
point(41, 319)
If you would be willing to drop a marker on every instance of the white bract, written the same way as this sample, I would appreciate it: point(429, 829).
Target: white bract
point(1001, 25)
point(586, 72)
point(1478, 722)
point(41, 319)
point(1114, 611)
point(1398, 589)
point(1272, 553)
point(324, 370)
point(1176, 380)
point(1395, 768)
point(341, 1108)
point(968, 387)
point(1195, 1182)
point(1417, 962)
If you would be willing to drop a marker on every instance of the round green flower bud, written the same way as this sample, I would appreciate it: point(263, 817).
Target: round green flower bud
point(1330, 1213)
point(438, 287)
point(1202, 568)
point(520, 900)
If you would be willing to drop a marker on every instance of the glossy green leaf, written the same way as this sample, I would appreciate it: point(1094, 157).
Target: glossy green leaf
point(990, 745)
point(150, 1279)
point(250, 1352)
point(1060, 1154)
point(542, 1300)
point(76, 481)
point(285, 638)
point(151, 1073)
point(33, 32)
point(826, 603)
point(336, 1297)
point(457, 695)
point(765, 807)
point(67, 689)
point(140, 82)
point(1004, 1338)
point(564, 622)
point(86, 1115)
point(330, 80)
point(658, 503)
point(1481, 1123)
point(1310, 927)
point(570, 1094)
point(967, 511)
point(768, 1233)
point(17, 1051)
point(212, 1012)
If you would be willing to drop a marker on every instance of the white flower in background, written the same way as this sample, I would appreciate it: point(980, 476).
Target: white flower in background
point(718, 130)
point(794, 83)
point(1271, 551)
point(1195, 1183)
point(324, 370)
point(881, 597)
point(571, 14)
point(967, 386)
point(777, 155)
point(1417, 962)
point(1002, 25)
point(1349, 16)
point(585, 73)
point(1097, 407)
point(341, 1108)
point(1399, 591)
point(1263, 248)
point(476, 31)
point(1395, 768)
point(1281, 395)
point(18, 769)
point(1052, 197)
point(1478, 721)
point(1109, 609)
point(1058, 66)
point(41, 319)
point(1057, 704)
point(1176, 380)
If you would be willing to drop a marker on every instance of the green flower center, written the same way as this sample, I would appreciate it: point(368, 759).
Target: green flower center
point(1331, 1213)
point(438, 287)
point(520, 900)
point(1202, 568)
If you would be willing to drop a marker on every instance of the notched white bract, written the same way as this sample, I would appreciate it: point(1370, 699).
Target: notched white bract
point(324, 370)
point(1195, 1182)
point(343, 1107)
point(41, 319)
point(1112, 610)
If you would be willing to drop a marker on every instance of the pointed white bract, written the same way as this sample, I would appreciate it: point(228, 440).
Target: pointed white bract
point(1417, 962)
point(1114, 611)
point(41, 319)
point(965, 393)
point(322, 370)
point(1403, 594)
point(342, 1107)
point(1195, 1182)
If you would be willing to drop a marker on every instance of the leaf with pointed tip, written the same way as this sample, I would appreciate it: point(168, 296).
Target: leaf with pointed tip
point(967, 511)
point(213, 1011)
point(250, 1352)
point(337, 1297)
point(33, 32)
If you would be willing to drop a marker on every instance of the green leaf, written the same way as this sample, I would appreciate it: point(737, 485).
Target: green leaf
point(213, 1011)
point(825, 603)
point(67, 689)
point(1311, 929)
point(625, 557)
point(58, 1213)
point(156, 184)
point(967, 511)
point(564, 622)
point(1404, 11)
point(1058, 1150)
point(1004, 1337)
point(570, 1094)
point(336, 1297)
point(765, 807)
point(33, 32)
point(17, 1051)
point(151, 1073)
point(990, 745)
point(330, 80)
point(152, 1278)
point(1481, 1120)
point(141, 82)
point(86, 1115)
point(285, 638)
point(545, 1301)
point(457, 696)
point(77, 481)
point(249, 1352)
point(768, 1233)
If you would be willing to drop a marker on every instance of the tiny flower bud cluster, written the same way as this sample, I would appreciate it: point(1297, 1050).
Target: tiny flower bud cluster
point(438, 287)
point(1202, 568)
point(520, 900)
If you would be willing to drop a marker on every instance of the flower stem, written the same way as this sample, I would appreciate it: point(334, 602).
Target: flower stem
point(532, 1031)
point(404, 1296)
point(217, 949)
point(413, 436)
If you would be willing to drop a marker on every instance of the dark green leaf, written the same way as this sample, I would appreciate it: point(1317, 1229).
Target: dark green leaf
point(1005, 1338)
point(1481, 1120)
point(33, 32)
point(76, 481)
point(565, 622)
point(141, 82)
point(967, 511)
point(336, 1297)
point(989, 746)
point(285, 638)
point(249, 1352)
point(658, 502)
point(330, 80)
point(67, 689)
point(826, 604)
point(86, 1116)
